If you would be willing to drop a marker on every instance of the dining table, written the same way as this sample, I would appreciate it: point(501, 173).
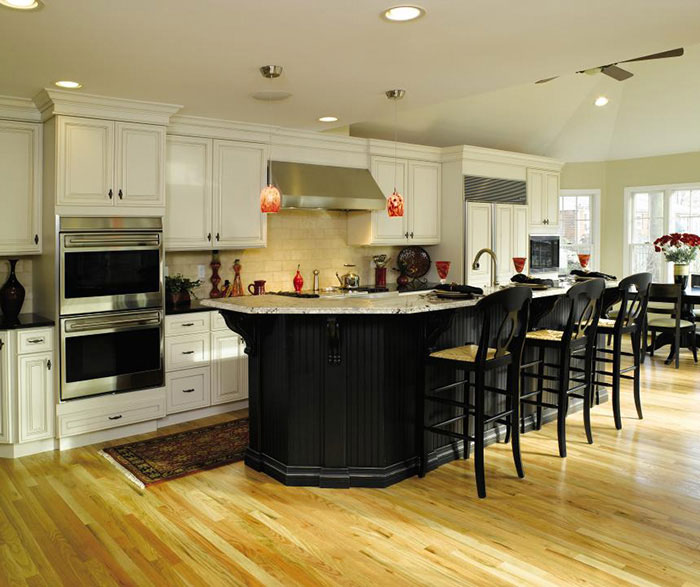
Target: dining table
point(689, 299)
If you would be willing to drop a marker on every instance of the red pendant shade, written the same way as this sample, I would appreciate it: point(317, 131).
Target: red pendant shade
point(270, 199)
point(394, 204)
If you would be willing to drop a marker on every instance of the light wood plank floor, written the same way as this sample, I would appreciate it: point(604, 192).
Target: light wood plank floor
point(623, 511)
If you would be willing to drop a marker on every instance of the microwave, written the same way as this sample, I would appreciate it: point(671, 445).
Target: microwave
point(544, 254)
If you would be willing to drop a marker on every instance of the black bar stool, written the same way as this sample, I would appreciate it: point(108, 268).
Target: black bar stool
point(574, 341)
point(633, 295)
point(502, 350)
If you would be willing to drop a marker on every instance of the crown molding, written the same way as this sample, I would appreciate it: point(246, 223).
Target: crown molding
point(470, 153)
point(22, 109)
point(51, 102)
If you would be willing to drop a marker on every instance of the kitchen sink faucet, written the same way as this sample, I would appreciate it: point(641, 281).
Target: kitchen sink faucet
point(494, 264)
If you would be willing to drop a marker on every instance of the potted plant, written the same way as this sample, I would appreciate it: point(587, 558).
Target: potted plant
point(179, 289)
point(679, 249)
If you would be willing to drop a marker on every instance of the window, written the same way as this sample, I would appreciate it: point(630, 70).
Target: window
point(653, 212)
point(578, 228)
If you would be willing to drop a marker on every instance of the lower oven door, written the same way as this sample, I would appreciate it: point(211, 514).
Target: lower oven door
point(107, 353)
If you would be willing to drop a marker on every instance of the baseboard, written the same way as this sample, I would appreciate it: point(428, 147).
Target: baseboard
point(15, 451)
point(180, 417)
point(99, 436)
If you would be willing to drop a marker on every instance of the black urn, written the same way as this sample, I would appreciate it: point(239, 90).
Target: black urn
point(11, 295)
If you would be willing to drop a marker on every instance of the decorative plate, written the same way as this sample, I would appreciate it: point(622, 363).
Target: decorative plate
point(414, 262)
point(454, 295)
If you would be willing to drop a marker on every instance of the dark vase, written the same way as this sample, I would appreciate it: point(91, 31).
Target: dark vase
point(11, 295)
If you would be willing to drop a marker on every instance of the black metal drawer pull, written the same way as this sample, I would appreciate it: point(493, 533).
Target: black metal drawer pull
point(109, 193)
point(121, 195)
point(188, 352)
point(187, 390)
point(35, 340)
point(189, 324)
point(115, 417)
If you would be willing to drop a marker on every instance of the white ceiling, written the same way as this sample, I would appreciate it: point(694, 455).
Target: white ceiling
point(339, 56)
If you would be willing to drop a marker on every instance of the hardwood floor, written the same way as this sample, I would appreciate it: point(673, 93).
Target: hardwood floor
point(625, 510)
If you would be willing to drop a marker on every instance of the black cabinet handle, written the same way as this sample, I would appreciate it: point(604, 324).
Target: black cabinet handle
point(48, 364)
point(36, 239)
point(115, 417)
point(209, 237)
point(217, 237)
point(405, 234)
point(109, 193)
point(121, 195)
point(188, 352)
point(411, 235)
point(189, 324)
point(187, 390)
point(35, 340)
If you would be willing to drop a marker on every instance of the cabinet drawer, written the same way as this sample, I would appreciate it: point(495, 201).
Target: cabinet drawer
point(218, 322)
point(36, 340)
point(187, 323)
point(187, 350)
point(113, 413)
point(188, 390)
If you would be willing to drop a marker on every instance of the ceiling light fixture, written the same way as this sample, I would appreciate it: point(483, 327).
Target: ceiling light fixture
point(328, 119)
point(601, 101)
point(69, 85)
point(403, 13)
point(394, 203)
point(270, 197)
point(20, 4)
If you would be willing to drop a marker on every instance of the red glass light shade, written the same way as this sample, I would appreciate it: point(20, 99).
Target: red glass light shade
point(394, 204)
point(270, 199)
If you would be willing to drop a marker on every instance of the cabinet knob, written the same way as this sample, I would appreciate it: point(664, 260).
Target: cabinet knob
point(109, 193)
point(36, 239)
point(411, 235)
point(121, 195)
point(405, 234)
point(209, 237)
point(48, 364)
point(217, 237)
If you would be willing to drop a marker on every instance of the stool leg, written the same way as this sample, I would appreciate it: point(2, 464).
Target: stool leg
point(645, 342)
point(563, 403)
point(465, 422)
point(514, 385)
point(617, 349)
point(637, 371)
point(423, 433)
point(510, 422)
point(540, 386)
point(653, 343)
point(588, 390)
point(479, 434)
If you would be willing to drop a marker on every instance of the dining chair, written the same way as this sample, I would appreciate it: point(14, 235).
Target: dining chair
point(669, 320)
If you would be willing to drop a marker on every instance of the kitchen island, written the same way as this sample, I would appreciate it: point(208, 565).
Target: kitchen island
point(334, 382)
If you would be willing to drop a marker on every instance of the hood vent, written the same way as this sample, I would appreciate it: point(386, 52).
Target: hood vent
point(326, 187)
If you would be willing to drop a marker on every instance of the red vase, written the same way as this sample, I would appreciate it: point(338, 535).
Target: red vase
point(215, 279)
point(298, 281)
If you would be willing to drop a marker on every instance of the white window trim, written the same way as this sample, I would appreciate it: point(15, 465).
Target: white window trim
point(595, 193)
point(627, 229)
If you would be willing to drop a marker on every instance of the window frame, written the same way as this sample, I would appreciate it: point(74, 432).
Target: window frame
point(594, 194)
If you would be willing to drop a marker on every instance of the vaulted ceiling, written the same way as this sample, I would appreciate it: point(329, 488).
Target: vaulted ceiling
point(467, 65)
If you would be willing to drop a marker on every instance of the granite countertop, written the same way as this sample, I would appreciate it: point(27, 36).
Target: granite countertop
point(387, 303)
point(194, 306)
point(25, 321)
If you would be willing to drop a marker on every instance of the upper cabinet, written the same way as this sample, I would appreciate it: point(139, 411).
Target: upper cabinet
point(419, 183)
point(212, 194)
point(543, 200)
point(20, 188)
point(109, 164)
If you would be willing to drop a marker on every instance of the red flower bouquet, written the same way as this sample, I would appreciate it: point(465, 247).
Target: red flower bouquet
point(678, 248)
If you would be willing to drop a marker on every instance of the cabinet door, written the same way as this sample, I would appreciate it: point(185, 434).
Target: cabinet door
point(239, 175)
point(389, 174)
point(188, 193)
point(20, 188)
point(478, 237)
point(535, 196)
point(85, 163)
point(4, 390)
point(552, 198)
point(504, 245)
point(229, 368)
point(36, 401)
point(520, 234)
point(424, 210)
point(140, 165)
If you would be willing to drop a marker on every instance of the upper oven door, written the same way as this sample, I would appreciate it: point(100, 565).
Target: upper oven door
point(103, 272)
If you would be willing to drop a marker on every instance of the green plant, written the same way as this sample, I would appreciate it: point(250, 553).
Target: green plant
point(177, 284)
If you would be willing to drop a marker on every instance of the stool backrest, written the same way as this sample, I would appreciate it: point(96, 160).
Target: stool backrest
point(670, 293)
point(514, 302)
point(585, 304)
point(634, 295)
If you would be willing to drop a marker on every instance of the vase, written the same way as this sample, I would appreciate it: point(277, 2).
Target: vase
point(681, 272)
point(215, 278)
point(12, 295)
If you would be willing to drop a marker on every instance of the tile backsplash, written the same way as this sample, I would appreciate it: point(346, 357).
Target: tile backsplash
point(24, 275)
point(314, 239)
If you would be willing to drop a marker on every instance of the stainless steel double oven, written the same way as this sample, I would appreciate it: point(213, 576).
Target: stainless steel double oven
point(111, 304)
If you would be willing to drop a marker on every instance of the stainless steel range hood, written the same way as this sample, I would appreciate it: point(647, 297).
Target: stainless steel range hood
point(326, 187)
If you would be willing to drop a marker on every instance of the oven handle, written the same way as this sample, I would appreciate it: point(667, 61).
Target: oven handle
point(136, 240)
point(111, 324)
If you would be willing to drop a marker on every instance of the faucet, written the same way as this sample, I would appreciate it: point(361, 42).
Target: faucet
point(494, 265)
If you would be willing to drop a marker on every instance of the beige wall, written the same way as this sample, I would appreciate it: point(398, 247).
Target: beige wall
point(315, 239)
point(24, 275)
point(612, 177)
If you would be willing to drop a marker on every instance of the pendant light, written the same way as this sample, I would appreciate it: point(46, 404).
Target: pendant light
point(270, 197)
point(394, 203)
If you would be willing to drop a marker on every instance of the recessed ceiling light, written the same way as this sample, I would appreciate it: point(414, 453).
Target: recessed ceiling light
point(21, 4)
point(601, 101)
point(69, 85)
point(328, 119)
point(403, 13)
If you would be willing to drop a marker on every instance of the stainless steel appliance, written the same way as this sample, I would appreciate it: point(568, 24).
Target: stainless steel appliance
point(544, 254)
point(112, 352)
point(108, 264)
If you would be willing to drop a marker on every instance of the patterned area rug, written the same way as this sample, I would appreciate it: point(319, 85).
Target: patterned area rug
point(168, 457)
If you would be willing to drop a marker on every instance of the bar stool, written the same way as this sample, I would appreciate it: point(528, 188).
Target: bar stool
point(502, 350)
point(633, 295)
point(574, 341)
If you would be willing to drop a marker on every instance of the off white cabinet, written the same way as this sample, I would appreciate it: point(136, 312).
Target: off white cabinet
point(110, 164)
point(36, 396)
point(228, 368)
point(4, 390)
point(543, 199)
point(212, 191)
point(479, 234)
point(420, 184)
point(20, 188)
